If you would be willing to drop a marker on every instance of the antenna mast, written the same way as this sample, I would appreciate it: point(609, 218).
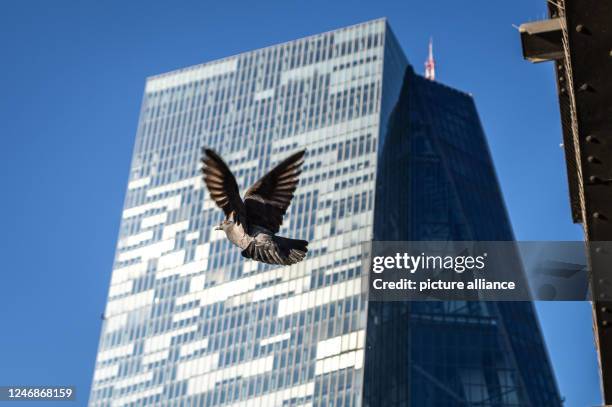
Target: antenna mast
point(430, 64)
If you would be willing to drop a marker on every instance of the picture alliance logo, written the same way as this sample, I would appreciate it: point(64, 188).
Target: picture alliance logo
point(412, 263)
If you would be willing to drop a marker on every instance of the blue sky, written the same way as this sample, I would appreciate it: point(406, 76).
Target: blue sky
point(72, 77)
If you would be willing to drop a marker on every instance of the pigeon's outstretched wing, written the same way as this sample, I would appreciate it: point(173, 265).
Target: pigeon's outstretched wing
point(222, 184)
point(267, 200)
point(276, 250)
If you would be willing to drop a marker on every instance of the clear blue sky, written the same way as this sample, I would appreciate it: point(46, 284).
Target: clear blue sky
point(71, 81)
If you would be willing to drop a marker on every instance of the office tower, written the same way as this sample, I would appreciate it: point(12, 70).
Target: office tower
point(190, 322)
point(451, 353)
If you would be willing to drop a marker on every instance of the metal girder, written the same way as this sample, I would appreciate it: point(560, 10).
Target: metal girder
point(589, 30)
point(584, 82)
point(542, 40)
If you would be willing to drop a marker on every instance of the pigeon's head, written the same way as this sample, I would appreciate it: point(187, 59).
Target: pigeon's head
point(226, 224)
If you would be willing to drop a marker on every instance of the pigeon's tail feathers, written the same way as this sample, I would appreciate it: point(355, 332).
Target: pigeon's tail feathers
point(292, 244)
point(294, 249)
point(277, 250)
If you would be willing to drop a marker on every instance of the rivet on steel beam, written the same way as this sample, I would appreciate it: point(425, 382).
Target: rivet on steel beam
point(591, 139)
point(604, 309)
point(585, 87)
point(611, 52)
point(604, 323)
point(562, 90)
point(593, 179)
point(602, 295)
point(597, 215)
point(601, 281)
point(582, 29)
point(598, 250)
point(592, 159)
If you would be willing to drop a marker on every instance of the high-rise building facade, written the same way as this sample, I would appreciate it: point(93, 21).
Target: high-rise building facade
point(189, 322)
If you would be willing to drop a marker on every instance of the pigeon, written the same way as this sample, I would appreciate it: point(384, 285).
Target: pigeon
point(252, 223)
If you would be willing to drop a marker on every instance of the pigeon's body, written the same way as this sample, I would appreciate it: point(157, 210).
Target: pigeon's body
point(252, 224)
point(238, 236)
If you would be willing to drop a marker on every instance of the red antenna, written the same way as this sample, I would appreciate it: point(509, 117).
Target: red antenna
point(430, 64)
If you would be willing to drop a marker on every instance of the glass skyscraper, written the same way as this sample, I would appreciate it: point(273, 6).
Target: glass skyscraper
point(391, 156)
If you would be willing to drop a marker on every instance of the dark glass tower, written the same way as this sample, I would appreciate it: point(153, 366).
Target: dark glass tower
point(445, 353)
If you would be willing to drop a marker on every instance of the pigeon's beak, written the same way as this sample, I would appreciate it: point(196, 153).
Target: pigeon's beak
point(218, 228)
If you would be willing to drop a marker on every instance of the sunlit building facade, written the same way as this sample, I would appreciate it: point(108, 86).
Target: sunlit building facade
point(189, 322)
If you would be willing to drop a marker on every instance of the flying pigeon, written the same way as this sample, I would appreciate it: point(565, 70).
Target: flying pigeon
point(252, 224)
